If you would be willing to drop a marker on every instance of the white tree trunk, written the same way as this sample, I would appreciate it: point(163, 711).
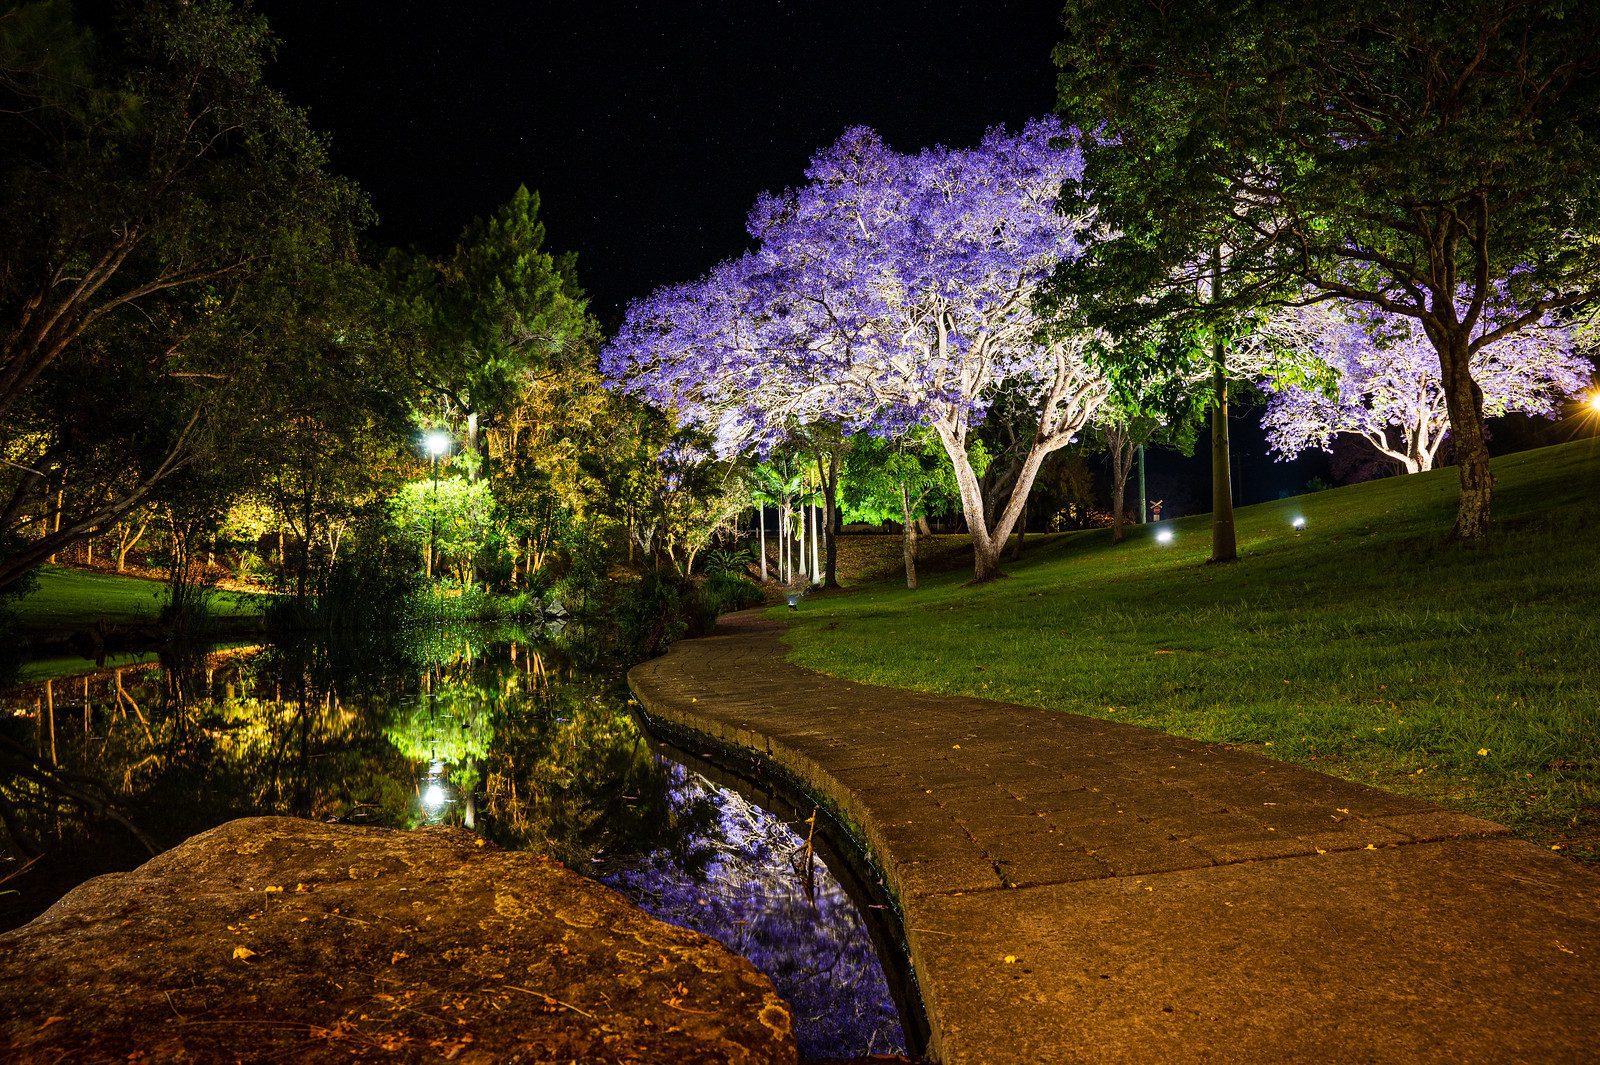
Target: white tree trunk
point(816, 545)
point(762, 521)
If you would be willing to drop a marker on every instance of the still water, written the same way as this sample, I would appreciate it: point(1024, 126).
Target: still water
point(528, 741)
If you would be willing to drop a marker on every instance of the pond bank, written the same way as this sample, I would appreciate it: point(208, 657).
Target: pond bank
point(1074, 888)
point(422, 945)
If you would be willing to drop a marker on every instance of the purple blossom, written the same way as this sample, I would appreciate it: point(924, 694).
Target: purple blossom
point(1387, 389)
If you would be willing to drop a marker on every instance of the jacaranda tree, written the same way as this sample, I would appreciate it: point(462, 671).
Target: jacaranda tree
point(1433, 159)
point(1388, 389)
point(890, 290)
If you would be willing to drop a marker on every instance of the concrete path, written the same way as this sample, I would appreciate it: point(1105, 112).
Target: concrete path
point(1078, 890)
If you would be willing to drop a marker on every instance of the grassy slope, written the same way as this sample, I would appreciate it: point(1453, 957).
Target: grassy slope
point(65, 598)
point(1368, 645)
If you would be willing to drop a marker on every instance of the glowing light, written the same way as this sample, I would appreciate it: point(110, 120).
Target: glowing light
point(794, 602)
point(433, 798)
point(438, 443)
point(1594, 402)
point(1163, 536)
point(1299, 522)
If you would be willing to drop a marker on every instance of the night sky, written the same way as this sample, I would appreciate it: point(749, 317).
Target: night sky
point(649, 128)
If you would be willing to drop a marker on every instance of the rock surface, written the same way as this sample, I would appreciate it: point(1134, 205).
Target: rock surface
point(285, 940)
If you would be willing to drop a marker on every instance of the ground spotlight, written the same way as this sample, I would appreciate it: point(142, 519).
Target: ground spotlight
point(1299, 522)
point(1163, 536)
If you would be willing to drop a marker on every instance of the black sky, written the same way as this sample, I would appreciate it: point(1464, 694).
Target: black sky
point(648, 128)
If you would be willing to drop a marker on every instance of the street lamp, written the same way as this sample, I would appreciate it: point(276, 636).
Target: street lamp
point(438, 444)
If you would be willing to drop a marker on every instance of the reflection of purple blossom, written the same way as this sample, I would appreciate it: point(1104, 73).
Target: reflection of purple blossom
point(742, 882)
point(1388, 387)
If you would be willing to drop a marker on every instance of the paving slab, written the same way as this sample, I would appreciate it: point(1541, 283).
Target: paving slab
point(1076, 889)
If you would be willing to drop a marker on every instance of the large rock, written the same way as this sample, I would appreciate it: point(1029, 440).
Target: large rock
point(277, 939)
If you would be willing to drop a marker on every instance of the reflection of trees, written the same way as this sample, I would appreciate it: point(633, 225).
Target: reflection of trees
point(540, 754)
point(750, 891)
point(573, 775)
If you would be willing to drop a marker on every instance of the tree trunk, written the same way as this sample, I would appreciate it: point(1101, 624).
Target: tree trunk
point(908, 544)
point(802, 519)
point(830, 522)
point(816, 540)
point(1121, 446)
point(987, 543)
point(1224, 545)
point(1144, 504)
point(761, 518)
point(1464, 404)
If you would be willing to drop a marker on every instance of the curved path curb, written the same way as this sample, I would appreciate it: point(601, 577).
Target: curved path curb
point(1075, 889)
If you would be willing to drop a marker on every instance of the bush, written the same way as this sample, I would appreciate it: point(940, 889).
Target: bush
point(721, 593)
point(659, 610)
point(729, 561)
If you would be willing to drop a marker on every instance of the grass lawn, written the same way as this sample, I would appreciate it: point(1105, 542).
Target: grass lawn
point(1367, 645)
point(65, 598)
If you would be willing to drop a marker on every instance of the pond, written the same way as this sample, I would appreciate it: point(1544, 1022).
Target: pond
point(529, 741)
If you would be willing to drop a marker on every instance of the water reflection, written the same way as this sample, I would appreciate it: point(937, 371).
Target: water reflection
point(493, 731)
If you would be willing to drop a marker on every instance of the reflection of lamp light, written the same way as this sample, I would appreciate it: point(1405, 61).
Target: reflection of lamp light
point(433, 798)
point(1163, 536)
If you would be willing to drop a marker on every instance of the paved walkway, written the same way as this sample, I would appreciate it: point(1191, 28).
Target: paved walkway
point(1075, 889)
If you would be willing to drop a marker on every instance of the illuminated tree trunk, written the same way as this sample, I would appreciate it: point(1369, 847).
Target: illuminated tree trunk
point(1224, 544)
point(761, 518)
point(1121, 447)
point(816, 540)
point(908, 542)
point(1464, 403)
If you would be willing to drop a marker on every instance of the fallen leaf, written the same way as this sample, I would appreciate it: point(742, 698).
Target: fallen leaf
point(1010, 958)
point(1483, 752)
point(241, 953)
point(272, 889)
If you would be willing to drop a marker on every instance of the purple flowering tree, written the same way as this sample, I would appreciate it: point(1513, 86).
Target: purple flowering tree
point(1388, 390)
point(889, 291)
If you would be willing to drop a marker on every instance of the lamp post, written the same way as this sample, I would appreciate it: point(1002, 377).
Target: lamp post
point(438, 444)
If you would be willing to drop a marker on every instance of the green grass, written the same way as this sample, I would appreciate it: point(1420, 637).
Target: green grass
point(1369, 645)
point(66, 598)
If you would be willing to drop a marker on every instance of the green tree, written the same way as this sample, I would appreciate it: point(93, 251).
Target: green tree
point(903, 480)
point(1438, 160)
point(148, 180)
point(454, 516)
point(498, 310)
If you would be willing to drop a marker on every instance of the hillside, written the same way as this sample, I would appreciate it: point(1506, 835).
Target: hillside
point(1367, 645)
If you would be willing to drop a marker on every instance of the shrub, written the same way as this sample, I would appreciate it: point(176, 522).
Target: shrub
point(651, 615)
point(724, 592)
